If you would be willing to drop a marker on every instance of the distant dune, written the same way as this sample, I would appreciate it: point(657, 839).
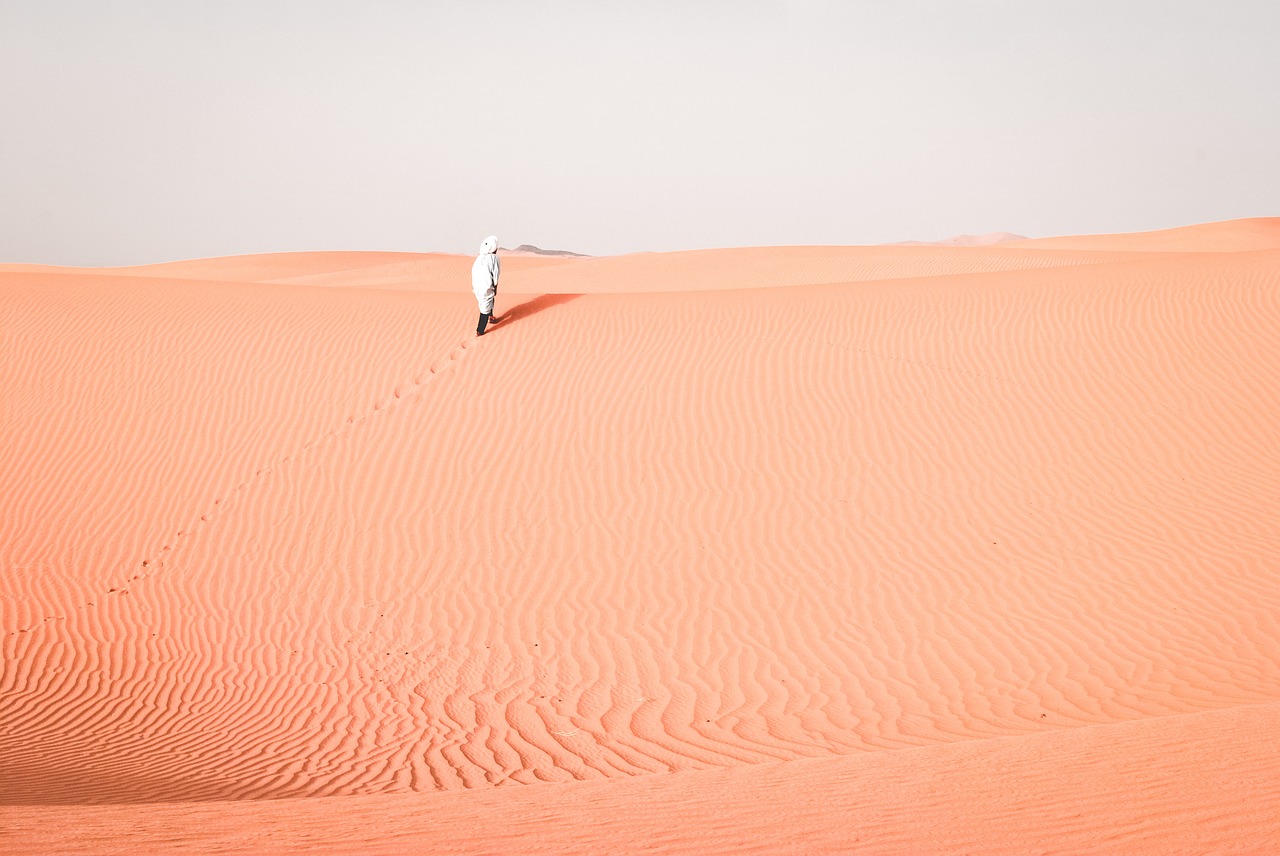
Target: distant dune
point(530, 249)
point(966, 240)
point(1233, 236)
point(893, 549)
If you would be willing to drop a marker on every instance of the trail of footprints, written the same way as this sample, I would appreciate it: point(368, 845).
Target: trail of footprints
point(406, 391)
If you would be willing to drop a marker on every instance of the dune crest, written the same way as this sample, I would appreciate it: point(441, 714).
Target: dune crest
point(1232, 236)
point(984, 240)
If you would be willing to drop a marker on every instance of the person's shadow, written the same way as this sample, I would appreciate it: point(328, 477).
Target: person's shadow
point(531, 307)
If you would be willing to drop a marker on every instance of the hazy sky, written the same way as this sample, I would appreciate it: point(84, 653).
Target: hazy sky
point(147, 131)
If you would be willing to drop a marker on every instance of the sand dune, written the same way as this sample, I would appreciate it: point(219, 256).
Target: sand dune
point(1202, 783)
point(984, 240)
point(1259, 233)
point(824, 545)
point(399, 271)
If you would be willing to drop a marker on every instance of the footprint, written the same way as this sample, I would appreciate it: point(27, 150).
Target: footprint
point(400, 391)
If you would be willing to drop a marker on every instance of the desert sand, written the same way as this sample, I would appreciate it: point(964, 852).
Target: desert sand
point(897, 549)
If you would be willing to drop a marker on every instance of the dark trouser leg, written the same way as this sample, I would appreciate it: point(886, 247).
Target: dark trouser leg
point(484, 322)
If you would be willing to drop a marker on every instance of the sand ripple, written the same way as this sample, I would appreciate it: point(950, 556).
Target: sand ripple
point(266, 540)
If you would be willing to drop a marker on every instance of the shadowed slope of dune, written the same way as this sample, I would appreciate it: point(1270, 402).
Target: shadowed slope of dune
point(1199, 783)
point(268, 540)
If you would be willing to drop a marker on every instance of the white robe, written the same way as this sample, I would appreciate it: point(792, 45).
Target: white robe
point(484, 275)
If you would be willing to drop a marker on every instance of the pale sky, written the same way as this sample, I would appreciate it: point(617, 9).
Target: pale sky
point(147, 131)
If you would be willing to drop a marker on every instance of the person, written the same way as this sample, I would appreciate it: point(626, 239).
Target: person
point(484, 282)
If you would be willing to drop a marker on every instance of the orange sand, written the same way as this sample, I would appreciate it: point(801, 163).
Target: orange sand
point(877, 549)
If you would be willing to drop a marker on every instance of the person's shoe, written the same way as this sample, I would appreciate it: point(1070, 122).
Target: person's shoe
point(494, 320)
